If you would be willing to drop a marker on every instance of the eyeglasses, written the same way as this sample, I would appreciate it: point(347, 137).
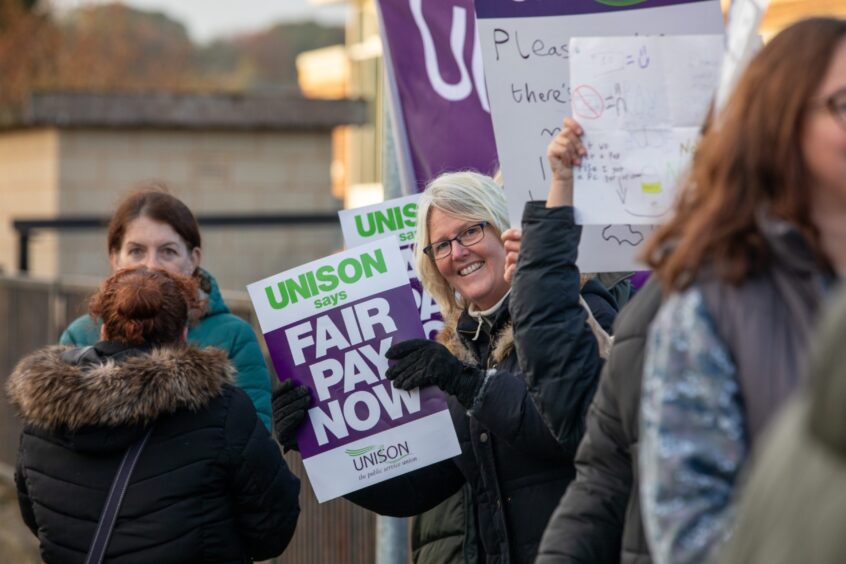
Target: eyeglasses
point(442, 249)
point(836, 106)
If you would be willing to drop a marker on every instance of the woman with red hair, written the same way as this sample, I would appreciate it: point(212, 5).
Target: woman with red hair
point(209, 484)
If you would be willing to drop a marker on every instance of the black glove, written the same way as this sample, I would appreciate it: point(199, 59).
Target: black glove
point(424, 363)
point(290, 407)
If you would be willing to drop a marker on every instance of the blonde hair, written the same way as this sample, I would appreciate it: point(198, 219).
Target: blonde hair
point(466, 195)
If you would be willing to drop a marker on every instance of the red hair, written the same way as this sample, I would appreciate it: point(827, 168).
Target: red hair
point(748, 161)
point(141, 306)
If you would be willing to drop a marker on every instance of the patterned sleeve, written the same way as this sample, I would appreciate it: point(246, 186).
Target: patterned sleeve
point(693, 435)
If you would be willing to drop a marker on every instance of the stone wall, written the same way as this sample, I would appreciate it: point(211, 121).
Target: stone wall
point(86, 171)
point(28, 180)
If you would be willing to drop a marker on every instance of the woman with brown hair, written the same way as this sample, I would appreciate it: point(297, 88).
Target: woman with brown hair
point(758, 237)
point(153, 228)
point(209, 484)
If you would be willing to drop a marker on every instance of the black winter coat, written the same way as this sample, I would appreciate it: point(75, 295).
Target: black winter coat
point(210, 485)
point(516, 468)
point(599, 520)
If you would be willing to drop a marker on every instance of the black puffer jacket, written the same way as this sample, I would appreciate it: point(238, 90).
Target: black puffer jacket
point(516, 468)
point(210, 485)
point(599, 520)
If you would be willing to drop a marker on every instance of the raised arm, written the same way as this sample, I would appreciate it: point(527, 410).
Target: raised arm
point(557, 350)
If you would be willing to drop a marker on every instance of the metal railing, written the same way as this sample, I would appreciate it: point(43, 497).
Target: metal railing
point(33, 313)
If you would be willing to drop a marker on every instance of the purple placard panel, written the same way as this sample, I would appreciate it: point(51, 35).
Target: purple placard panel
point(535, 8)
point(402, 307)
point(439, 87)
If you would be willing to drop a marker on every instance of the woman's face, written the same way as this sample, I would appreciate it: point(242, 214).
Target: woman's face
point(475, 272)
point(154, 244)
point(824, 135)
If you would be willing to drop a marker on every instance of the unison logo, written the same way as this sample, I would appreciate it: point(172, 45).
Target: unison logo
point(370, 456)
point(325, 279)
point(391, 219)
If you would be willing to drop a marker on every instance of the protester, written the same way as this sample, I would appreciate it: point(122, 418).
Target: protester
point(600, 508)
point(492, 341)
point(153, 228)
point(210, 483)
point(794, 501)
point(757, 237)
point(599, 519)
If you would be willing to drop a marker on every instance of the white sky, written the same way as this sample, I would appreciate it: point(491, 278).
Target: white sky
point(208, 19)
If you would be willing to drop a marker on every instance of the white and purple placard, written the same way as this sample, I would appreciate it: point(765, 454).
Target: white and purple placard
point(327, 325)
point(394, 217)
point(526, 55)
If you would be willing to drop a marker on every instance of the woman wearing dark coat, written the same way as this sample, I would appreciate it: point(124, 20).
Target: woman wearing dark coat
point(210, 485)
point(599, 520)
point(493, 340)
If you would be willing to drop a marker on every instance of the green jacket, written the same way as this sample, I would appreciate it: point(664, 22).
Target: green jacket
point(446, 534)
point(218, 328)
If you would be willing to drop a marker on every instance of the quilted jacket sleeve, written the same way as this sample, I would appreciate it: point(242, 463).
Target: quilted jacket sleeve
point(265, 492)
point(587, 526)
point(556, 348)
point(237, 338)
point(25, 503)
point(693, 433)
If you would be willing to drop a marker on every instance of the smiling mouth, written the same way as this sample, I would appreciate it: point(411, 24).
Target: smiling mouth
point(471, 268)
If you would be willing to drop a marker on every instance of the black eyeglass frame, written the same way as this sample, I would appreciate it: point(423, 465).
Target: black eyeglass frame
point(429, 249)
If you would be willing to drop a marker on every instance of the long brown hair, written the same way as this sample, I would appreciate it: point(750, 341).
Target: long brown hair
point(140, 306)
point(749, 160)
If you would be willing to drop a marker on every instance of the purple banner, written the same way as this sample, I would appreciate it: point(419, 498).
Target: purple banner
point(534, 8)
point(439, 96)
point(339, 356)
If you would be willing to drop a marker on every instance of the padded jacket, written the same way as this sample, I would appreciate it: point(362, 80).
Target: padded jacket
point(210, 484)
point(598, 520)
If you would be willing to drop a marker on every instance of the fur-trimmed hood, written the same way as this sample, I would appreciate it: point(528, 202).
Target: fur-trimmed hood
point(50, 392)
point(450, 338)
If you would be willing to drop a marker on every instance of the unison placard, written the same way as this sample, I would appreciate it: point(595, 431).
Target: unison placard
point(398, 217)
point(327, 325)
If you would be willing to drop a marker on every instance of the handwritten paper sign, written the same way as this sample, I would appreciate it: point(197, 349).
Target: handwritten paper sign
point(641, 101)
point(394, 217)
point(525, 47)
point(328, 325)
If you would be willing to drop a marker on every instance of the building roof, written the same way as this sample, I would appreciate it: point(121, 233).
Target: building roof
point(187, 111)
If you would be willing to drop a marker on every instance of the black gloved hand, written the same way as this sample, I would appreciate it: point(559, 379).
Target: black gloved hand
point(290, 407)
point(424, 363)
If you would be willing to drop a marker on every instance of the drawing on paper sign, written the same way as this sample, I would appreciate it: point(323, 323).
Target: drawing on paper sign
point(641, 101)
point(587, 102)
point(644, 194)
point(527, 50)
point(624, 234)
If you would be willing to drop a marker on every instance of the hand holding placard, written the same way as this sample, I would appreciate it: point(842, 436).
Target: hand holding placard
point(527, 58)
point(423, 363)
point(642, 101)
point(290, 407)
point(564, 151)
